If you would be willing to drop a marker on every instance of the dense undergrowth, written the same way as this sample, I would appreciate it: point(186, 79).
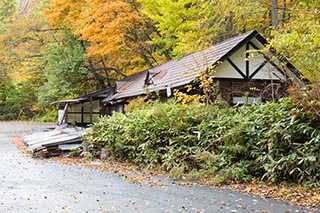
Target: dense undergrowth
point(272, 141)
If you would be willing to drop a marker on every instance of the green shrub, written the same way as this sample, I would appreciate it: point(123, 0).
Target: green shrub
point(270, 141)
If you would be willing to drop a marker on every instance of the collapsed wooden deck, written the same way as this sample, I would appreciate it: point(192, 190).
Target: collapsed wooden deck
point(56, 141)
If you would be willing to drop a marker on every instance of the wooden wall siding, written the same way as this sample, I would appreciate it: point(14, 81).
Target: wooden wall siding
point(110, 109)
point(266, 90)
point(84, 113)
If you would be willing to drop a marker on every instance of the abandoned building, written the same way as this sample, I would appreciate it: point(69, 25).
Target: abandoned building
point(243, 67)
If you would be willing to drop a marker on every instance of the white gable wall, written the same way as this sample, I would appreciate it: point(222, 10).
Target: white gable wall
point(257, 43)
point(239, 59)
point(225, 70)
point(267, 72)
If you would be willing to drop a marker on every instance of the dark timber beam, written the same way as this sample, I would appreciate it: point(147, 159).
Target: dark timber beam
point(292, 72)
point(82, 113)
point(91, 110)
point(247, 61)
point(268, 58)
point(236, 68)
point(258, 69)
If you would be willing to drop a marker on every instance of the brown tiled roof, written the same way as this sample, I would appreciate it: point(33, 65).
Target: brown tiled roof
point(178, 72)
point(100, 94)
point(132, 85)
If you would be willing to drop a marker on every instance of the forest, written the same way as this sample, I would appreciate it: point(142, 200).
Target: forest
point(57, 49)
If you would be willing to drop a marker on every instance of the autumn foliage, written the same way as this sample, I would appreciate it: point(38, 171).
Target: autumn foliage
point(102, 23)
point(87, 45)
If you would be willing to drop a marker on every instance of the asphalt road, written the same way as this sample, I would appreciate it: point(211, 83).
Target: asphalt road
point(34, 185)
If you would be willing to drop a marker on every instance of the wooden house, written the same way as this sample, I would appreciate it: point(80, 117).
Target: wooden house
point(83, 110)
point(243, 68)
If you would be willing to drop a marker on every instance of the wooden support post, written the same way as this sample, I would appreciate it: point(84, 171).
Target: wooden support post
point(63, 114)
point(91, 110)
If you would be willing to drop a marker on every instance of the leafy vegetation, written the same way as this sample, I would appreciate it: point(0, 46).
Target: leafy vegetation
point(52, 49)
point(272, 141)
point(64, 48)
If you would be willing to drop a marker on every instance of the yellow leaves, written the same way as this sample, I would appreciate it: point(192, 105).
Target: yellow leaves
point(189, 88)
point(61, 13)
point(209, 89)
point(22, 45)
point(185, 99)
point(206, 83)
point(105, 28)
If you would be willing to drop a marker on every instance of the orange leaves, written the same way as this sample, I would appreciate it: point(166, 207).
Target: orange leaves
point(103, 24)
point(295, 195)
point(61, 13)
point(112, 30)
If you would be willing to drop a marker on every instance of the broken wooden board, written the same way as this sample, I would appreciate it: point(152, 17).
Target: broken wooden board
point(30, 139)
point(68, 147)
point(56, 141)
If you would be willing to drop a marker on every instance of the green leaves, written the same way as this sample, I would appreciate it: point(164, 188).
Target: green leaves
point(186, 26)
point(9, 100)
point(271, 141)
point(299, 39)
point(7, 10)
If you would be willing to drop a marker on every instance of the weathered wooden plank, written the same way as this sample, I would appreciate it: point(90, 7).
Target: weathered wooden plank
point(38, 135)
point(55, 137)
point(67, 147)
point(75, 140)
point(56, 141)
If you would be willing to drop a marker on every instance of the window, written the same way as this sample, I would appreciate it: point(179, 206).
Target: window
point(246, 100)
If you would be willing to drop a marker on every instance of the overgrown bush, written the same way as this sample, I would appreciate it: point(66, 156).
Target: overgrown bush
point(270, 141)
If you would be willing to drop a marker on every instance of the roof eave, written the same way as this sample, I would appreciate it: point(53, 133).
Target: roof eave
point(76, 100)
point(251, 35)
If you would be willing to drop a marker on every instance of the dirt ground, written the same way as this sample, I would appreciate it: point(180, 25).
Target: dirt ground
point(35, 185)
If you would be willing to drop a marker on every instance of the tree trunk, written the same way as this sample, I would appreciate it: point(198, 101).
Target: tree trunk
point(274, 14)
point(23, 6)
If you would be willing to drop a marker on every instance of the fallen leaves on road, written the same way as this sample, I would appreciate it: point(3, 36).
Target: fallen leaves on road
point(295, 195)
point(130, 172)
point(18, 142)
